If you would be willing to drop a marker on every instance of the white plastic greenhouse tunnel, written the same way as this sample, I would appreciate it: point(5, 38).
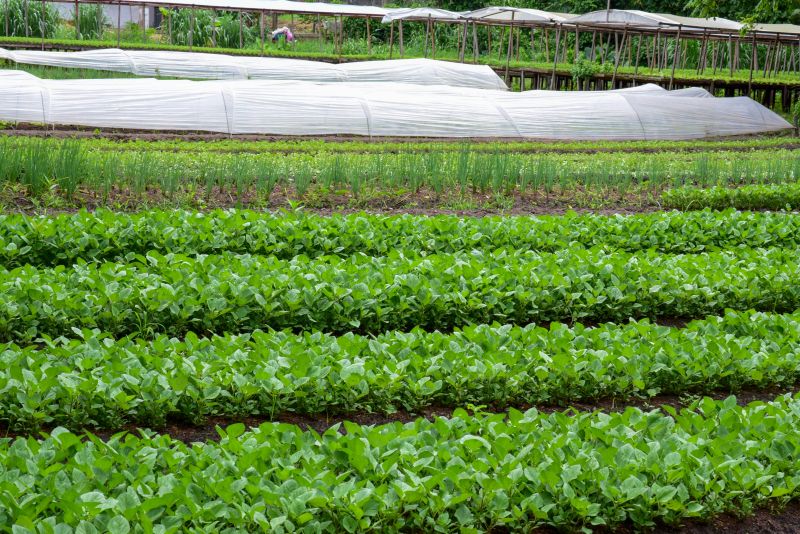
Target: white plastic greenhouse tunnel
point(225, 67)
point(378, 109)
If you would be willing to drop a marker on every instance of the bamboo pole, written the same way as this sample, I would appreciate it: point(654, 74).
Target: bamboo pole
point(241, 31)
point(169, 24)
point(7, 15)
point(27, 24)
point(77, 20)
point(675, 57)
point(43, 23)
point(638, 54)
point(594, 41)
point(577, 42)
point(144, 23)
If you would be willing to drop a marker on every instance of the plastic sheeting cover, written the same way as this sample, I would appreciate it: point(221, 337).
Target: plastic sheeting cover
point(378, 109)
point(223, 67)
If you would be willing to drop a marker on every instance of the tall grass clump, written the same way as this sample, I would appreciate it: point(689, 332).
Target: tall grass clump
point(39, 18)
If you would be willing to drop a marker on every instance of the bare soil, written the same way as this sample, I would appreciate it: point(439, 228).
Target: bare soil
point(185, 431)
point(424, 201)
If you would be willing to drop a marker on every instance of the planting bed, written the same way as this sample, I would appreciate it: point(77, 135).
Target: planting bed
point(291, 371)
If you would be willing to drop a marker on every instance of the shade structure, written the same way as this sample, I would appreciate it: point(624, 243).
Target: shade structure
point(642, 20)
point(377, 109)
point(520, 16)
point(224, 67)
point(421, 14)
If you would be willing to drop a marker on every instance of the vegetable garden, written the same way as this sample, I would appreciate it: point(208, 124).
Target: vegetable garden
point(202, 333)
point(491, 327)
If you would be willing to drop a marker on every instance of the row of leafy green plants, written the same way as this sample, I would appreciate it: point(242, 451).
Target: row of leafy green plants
point(323, 146)
point(105, 235)
point(38, 165)
point(97, 382)
point(175, 294)
point(746, 197)
point(472, 472)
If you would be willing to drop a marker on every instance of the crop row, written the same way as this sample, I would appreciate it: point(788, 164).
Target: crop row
point(106, 235)
point(745, 197)
point(98, 382)
point(39, 165)
point(175, 294)
point(317, 146)
point(471, 472)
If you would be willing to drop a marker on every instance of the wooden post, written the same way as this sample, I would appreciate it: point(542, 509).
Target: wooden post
point(475, 50)
point(730, 53)
point(546, 37)
point(555, 60)
point(341, 35)
point(617, 58)
point(99, 22)
point(169, 24)
point(391, 39)
point(510, 44)
point(400, 27)
point(241, 31)
point(119, 20)
point(714, 58)
point(27, 24)
point(433, 39)
point(533, 44)
point(463, 42)
point(191, 28)
point(144, 24)
point(43, 23)
point(675, 57)
point(261, 30)
point(427, 35)
point(752, 65)
point(77, 20)
point(656, 51)
point(577, 42)
point(638, 53)
point(213, 28)
point(766, 59)
point(369, 39)
point(6, 10)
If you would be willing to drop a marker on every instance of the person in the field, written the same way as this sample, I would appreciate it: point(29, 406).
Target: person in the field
point(283, 32)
